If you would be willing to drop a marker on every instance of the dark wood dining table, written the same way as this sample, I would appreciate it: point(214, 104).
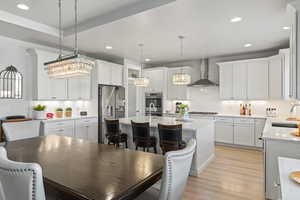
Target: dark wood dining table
point(89, 171)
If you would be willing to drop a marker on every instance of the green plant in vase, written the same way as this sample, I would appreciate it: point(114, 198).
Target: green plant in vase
point(39, 111)
point(182, 109)
point(68, 112)
point(59, 113)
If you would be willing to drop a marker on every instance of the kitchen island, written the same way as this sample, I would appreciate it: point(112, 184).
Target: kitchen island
point(200, 129)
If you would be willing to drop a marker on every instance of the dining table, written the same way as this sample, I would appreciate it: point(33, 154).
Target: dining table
point(89, 171)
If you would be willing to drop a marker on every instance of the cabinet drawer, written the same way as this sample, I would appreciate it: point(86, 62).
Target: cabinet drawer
point(60, 124)
point(85, 122)
point(224, 119)
point(63, 131)
point(243, 120)
point(260, 121)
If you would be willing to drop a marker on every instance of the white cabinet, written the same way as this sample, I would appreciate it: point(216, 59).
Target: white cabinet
point(64, 128)
point(244, 132)
point(177, 92)
point(45, 88)
point(259, 128)
point(276, 85)
point(79, 88)
point(226, 81)
point(109, 73)
point(258, 74)
point(157, 78)
point(239, 78)
point(224, 130)
point(87, 129)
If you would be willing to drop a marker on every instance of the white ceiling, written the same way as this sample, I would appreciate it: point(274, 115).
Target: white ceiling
point(205, 23)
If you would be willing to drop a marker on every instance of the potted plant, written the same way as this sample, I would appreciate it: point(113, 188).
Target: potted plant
point(39, 111)
point(68, 112)
point(183, 108)
point(59, 113)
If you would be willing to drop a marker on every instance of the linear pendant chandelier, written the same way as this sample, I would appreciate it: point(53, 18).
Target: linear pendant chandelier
point(181, 78)
point(141, 81)
point(73, 65)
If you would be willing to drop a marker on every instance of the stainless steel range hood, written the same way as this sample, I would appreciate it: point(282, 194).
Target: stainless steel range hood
point(203, 81)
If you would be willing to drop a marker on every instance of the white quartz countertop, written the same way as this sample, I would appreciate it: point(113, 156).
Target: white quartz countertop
point(289, 189)
point(191, 124)
point(68, 118)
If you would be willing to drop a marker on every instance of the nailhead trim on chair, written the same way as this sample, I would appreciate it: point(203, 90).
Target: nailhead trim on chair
point(17, 172)
point(170, 169)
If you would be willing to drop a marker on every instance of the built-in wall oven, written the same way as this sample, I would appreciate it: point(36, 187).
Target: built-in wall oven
point(154, 104)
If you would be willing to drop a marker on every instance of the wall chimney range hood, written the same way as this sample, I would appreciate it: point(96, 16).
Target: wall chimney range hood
point(203, 81)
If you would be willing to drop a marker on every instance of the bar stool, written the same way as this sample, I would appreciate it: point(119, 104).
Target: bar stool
point(141, 136)
point(114, 134)
point(170, 137)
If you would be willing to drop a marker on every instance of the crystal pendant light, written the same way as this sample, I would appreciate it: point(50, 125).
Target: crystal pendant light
point(181, 78)
point(73, 65)
point(141, 81)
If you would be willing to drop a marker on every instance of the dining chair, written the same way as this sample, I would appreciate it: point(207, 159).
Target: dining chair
point(170, 137)
point(175, 173)
point(21, 130)
point(114, 134)
point(20, 180)
point(141, 136)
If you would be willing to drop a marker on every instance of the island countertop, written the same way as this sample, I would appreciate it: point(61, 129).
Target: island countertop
point(190, 124)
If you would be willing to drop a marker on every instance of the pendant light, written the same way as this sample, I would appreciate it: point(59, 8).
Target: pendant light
point(73, 65)
point(141, 81)
point(181, 78)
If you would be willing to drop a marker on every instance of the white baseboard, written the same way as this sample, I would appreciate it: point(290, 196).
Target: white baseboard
point(196, 172)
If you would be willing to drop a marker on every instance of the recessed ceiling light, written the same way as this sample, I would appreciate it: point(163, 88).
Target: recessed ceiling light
point(248, 45)
point(147, 59)
point(108, 47)
point(23, 4)
point(236, 19)
point(286, 28)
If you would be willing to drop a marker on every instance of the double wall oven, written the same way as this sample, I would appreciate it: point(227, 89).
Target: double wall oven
point(154, 104)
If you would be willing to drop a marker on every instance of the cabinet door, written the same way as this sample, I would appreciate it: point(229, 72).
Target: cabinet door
point(104, 72)
point(79, 88)
point(259, 128)
point(117, 74)
point(93, 132)
point(226, 83)
point(68, 132)
point(276, 77)
point(240, 76)
point(258, 80)
point(224, 132)
point(157, 80)
point(244, 134)
point(177, 92)
point(81, 132)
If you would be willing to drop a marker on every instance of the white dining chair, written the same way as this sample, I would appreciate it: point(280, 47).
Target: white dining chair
point(21, 130)
point(20, 180)
point(175, 173)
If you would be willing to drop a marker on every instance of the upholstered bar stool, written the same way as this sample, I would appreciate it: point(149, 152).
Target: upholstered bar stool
point(170, 137)
point(114, 134)
point(141, 136)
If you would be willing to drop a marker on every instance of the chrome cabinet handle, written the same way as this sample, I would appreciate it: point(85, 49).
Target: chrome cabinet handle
point(276, 184)
point(260, 138)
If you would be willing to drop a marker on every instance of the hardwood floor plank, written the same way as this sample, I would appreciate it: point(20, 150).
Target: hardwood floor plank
point(235, 174)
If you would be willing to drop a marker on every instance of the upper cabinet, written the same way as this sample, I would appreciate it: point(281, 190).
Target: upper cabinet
point(45, 88)
point(157, 79)
point(256, 79)
point(226, 81)
point(109, 73)
point(177, 92)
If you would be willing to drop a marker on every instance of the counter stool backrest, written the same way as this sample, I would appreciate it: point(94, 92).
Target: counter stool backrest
point(140, 131)
point(112, 126)
point(170, 137)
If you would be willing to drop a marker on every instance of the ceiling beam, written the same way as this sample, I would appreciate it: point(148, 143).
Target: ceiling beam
point(27, 23)
point(115, 15)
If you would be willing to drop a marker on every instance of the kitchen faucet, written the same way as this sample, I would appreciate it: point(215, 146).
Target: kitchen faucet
point(294, 106)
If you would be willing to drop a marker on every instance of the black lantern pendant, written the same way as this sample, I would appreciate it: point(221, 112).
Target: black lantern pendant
point(11, 83)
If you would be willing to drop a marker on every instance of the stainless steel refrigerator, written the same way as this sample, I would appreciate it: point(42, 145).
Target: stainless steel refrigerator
point(111, 105)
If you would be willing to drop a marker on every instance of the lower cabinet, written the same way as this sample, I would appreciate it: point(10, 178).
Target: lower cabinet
point(239, 131)
point(86, 129)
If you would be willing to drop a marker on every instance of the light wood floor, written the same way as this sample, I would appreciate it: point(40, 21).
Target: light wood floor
point(235, 174)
